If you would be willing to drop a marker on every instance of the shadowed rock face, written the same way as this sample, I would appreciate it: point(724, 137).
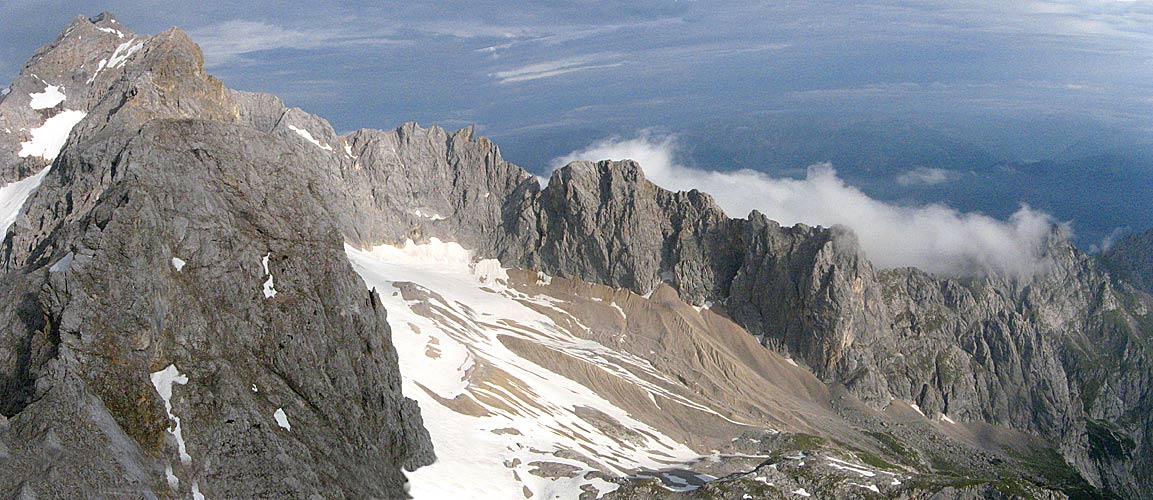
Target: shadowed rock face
point(168, 164)
point(1131, 258)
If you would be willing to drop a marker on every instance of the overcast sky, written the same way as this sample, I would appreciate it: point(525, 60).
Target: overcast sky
point(515, 66)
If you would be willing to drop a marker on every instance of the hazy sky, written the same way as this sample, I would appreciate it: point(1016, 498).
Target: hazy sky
point(1021, 79)
point(516, 66)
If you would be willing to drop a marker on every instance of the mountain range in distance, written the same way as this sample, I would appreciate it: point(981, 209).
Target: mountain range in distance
point(208, 294)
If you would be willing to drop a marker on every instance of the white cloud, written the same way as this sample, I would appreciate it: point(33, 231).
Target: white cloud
point(934, 238)
point(228, 42)
point(551, 68)
point(925, 176)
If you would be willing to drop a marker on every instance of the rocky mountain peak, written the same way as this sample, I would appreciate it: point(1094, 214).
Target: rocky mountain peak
point(180, 262)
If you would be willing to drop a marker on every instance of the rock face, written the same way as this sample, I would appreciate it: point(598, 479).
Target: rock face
point(1131, 259)
point(1020, 353)
point(181, 266)
point(179, 312)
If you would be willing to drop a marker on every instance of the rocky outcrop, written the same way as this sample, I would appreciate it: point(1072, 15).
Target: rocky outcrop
point(1131, 259)
point(183, 316)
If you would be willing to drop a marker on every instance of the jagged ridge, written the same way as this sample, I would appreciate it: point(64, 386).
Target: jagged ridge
point(974, 350)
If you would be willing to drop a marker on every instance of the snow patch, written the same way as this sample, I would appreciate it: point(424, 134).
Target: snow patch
point(178, 263)
point(122, 53)
point(465, 312)
point(269, 286)
point(173, 481)
point(99, 68)
point(118, 33)
point(63, 264)
point(867, 487)
point(543, 279)
point(196, 494)
point(282, 419)
point(489, 272)
point(48, 138)
point(50, 98)
point(308, 137)
point(851, 467)
point(433, 216)
point(946, 419)
point(162, 381)
point(14, 194)
point(802, 492)
point(254, 388)
point(917, 408)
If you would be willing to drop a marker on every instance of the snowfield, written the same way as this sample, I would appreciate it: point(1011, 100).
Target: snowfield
point(503, 426)
point(13, 196)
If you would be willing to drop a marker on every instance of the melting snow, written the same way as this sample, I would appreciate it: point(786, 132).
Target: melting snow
point(851, 467)
point(110, 30)
point(48, 138)
point(99, 68)
point(918, 408)
point(50, 98)
point(282, 419)
point(173, 481)
point(433, 216)
point(178, 263)
point(514, 393)
point(254, 388)
point(269, 287)
point(122, 53)
point(867, 487)
point(162, 381)
point(196, 494)
point(13, 195)
point(308, 137)
point(63, 264)
point(946, 419)
point(802, 492)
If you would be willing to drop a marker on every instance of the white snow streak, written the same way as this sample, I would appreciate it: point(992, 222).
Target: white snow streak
point(173, 481)
point(308, 137)
point(269, 287)
point(851, 467)
point(178, 263)
point(162, 381)
point(122, 53)
point(118, 33)
point(99, 68)
point(196, 494)
point(13, 195)
point(48, 138)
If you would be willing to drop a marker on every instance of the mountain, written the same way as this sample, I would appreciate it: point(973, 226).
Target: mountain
point(1131, 259)
point(211, 294)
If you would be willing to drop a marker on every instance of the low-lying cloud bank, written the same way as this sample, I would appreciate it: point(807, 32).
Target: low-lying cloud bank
point(934, 238)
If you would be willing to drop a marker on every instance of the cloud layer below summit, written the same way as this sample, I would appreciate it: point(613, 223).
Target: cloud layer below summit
point(934, 238)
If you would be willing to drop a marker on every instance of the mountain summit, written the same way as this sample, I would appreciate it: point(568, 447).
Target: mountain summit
point(209, 294)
